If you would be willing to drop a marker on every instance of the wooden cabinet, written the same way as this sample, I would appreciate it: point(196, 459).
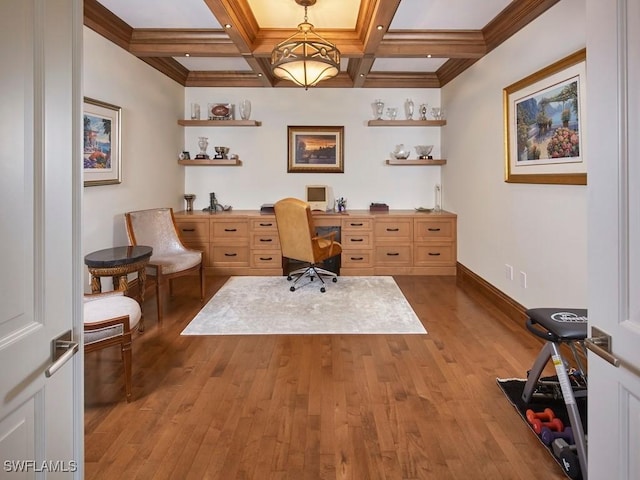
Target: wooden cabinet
point(356, 238)
point(265, 245)
point(401, 242)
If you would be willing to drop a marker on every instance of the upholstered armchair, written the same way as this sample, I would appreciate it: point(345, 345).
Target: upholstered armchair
point(170, 259)
point(110, 318)
point(298, 241)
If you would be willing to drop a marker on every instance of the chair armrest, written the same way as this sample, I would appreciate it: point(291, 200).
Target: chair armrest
point(90, 297)
point(331, 236)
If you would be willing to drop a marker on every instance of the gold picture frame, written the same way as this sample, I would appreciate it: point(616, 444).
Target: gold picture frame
point(544, 118)
point(102, 160)
point(315, 149)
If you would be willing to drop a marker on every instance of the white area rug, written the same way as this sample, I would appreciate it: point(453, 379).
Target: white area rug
point(265, 306)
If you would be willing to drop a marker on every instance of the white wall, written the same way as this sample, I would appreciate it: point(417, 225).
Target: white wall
point(263, 177)
point(150, 104)
point(538, 229)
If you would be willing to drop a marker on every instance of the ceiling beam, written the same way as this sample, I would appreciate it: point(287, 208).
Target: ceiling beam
point(401, 80)
point(516, 16)
point(178, 42)
point(437, 43)
point(105, 23)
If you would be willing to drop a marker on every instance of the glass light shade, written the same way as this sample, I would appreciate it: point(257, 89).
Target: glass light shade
point(305, 61)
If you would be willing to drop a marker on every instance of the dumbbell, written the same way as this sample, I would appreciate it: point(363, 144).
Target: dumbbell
point(548, 436)
point(552, 423)
point(568, 458)
point(546, 415)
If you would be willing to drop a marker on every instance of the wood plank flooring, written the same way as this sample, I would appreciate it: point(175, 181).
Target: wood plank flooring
point(313, 407)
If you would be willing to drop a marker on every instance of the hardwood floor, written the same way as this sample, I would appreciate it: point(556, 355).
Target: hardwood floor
point(317, 406)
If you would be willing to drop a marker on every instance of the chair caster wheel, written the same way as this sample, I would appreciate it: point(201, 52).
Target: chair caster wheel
point(323, 289)
point(289, 277)
point(293, 289)
point(334, 279)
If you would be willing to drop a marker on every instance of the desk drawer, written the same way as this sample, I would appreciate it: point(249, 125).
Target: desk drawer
point(266, 259)
point(268, 223)
point(434, 254)
point(433, 229)
point(393, 230)
point(229, 255)
point(193, 230)
point(265, 240)
point(358, 240)
point(393, 255)
point(222, 231)
point(356, 224)
point(356, 258)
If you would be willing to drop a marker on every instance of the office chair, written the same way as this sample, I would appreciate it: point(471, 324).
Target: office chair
point(298, 241)
point(156, 227)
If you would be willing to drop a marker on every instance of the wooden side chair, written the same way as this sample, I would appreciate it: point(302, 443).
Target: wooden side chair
point(110, 318)
point(156, 228)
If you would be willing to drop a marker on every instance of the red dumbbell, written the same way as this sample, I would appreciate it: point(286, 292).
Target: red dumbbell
point(546, 416)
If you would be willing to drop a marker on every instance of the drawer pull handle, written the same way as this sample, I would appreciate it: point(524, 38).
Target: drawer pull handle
point(434, 254)
point(266, 259)
point(393, 229)
point(391, 254)
point(266, 224)
point(356, 259)
point(230, 254)
point(230, 229)
point(266, 239)
point(188, 229)
point(434, 229)
point(356, 224)
point(356, 240)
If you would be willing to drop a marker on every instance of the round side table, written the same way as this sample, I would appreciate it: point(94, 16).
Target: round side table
point(118, 262)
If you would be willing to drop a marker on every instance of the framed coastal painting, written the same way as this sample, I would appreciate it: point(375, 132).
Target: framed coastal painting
point(544, 124)
point(101, 140)
point(315, 149)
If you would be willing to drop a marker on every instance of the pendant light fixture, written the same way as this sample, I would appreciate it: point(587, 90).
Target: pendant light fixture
point(305, 58)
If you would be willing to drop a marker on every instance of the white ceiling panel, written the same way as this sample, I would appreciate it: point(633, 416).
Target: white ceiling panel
point(163, 13)
point(446, 14)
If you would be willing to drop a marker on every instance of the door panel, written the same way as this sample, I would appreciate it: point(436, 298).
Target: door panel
point(613, 72)
point(40, 288)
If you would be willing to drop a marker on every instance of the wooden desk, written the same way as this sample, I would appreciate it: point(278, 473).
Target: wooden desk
point(397, 242)
point(118, 262)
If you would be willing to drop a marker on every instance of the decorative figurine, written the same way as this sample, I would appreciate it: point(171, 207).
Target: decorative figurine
point(423, 111)
point(189, 197)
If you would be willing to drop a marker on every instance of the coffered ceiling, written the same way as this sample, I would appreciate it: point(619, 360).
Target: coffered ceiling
point(384, 43)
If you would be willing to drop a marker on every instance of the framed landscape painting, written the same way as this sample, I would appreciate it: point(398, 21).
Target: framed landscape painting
point(544, 118)
point(315, 149)
point(101, 141)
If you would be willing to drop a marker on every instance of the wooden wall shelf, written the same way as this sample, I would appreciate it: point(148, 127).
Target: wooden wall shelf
point(407, 123)
point(219, 123)
point(213, 162)
point(417, 161)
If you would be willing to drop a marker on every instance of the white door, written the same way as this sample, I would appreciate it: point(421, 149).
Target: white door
point(613, 141)
point(41, 430)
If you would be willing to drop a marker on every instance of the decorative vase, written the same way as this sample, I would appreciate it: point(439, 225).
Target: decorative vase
point(189, 197)
point(379, 109)
point(203, 143)
point(408, 109)
point(245, 109)
point(195, 111)
point(392, 112)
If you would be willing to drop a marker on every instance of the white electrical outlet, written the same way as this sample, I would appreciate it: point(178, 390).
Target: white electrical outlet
point(508, 271)
point(523, 279)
